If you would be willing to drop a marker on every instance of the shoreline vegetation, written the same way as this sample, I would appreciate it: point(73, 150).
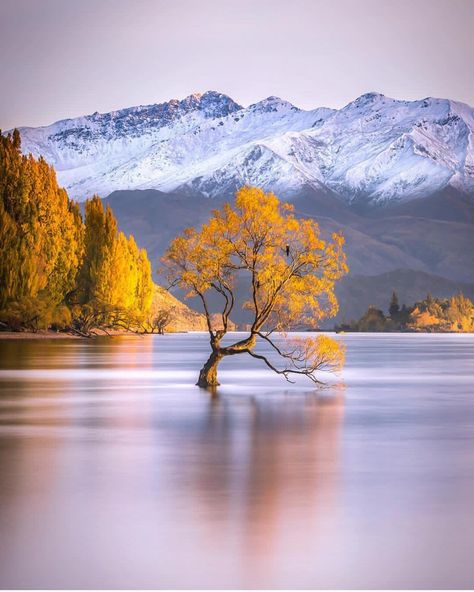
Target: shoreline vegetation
point(25, 335)
point(67, 272)
point(50, 334)
point(431, 315)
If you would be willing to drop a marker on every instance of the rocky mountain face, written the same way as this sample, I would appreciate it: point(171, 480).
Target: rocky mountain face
point(374, 151)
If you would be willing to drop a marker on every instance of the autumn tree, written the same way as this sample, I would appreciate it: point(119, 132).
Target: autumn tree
point(459, 313)
point(455, 314)
point(290, 273)
point(115, 281)
point(41, 238)
point(52, 263)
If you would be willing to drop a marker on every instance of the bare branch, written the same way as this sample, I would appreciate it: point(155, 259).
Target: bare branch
point(206, 312)
point(286, 371)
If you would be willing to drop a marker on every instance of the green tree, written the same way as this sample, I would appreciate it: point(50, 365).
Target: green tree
point(373, 320)
point(394, 308)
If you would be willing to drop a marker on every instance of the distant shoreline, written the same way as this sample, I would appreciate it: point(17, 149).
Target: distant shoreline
point(13, 335)
point(22, 335)
point(44, 335)
point(405, 332)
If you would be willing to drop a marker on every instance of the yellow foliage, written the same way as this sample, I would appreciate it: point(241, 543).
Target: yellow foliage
point(290, 272)
point(41, 230)
point(116, 273)
point(423, 319)
point(290, 268)
point(321, 353)
point(50, 259)
point(453, 315)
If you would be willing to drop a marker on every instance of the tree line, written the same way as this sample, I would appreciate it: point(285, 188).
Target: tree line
point(433, 315)
point(58, 268)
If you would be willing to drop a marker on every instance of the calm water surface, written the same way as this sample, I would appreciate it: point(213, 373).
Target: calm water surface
point(115, 471)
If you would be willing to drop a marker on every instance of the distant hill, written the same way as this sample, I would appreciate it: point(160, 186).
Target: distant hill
point(412, 254)
point(181, 317)
point(393, 246)
point(374, 243)
point(357, 292)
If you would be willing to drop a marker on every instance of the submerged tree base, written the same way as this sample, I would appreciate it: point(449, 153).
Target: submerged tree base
point(208, 374)
point(204, 383)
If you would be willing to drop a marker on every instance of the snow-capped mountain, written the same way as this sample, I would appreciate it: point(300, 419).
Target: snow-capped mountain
point(374, 150)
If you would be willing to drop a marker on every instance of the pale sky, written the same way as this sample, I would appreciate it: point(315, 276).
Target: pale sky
point(65, 58)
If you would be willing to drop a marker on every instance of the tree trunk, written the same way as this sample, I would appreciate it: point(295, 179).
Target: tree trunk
point(208, 373)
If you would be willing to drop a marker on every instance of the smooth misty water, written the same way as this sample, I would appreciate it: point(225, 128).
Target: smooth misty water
point(115, 471)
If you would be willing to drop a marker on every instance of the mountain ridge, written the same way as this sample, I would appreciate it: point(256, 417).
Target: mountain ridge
point(373, 151)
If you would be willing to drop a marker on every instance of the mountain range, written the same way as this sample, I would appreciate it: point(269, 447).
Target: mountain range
point(397, 177)
point(375, 150)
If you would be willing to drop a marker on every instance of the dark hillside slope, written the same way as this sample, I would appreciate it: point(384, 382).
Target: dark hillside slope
point(357, 292)
point(395, 250)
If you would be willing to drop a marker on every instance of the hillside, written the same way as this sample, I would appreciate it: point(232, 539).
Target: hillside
point(181, 317)
point(357, 292)
point(375, 244)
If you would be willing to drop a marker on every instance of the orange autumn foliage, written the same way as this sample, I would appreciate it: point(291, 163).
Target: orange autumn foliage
point(290, 272)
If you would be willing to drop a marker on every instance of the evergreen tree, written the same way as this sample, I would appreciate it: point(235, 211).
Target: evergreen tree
point(394, 308)
point(373, 320)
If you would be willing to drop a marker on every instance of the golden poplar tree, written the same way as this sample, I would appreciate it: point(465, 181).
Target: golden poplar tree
point(50, 261)
point(40, 234)
point(116, 276)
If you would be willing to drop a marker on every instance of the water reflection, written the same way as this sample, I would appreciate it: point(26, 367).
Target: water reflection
point(115, 471)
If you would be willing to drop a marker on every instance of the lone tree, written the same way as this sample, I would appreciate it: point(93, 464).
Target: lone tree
point(289, 271)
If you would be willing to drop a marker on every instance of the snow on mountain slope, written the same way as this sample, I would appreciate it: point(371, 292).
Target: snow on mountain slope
point(378, 148)
point(374, 150)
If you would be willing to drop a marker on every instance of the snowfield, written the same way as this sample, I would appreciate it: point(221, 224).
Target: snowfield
point(375, 150)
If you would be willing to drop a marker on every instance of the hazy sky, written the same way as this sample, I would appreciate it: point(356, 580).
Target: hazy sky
point(64, 58)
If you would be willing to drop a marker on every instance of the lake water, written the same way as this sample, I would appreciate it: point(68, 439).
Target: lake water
point(116, 471)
